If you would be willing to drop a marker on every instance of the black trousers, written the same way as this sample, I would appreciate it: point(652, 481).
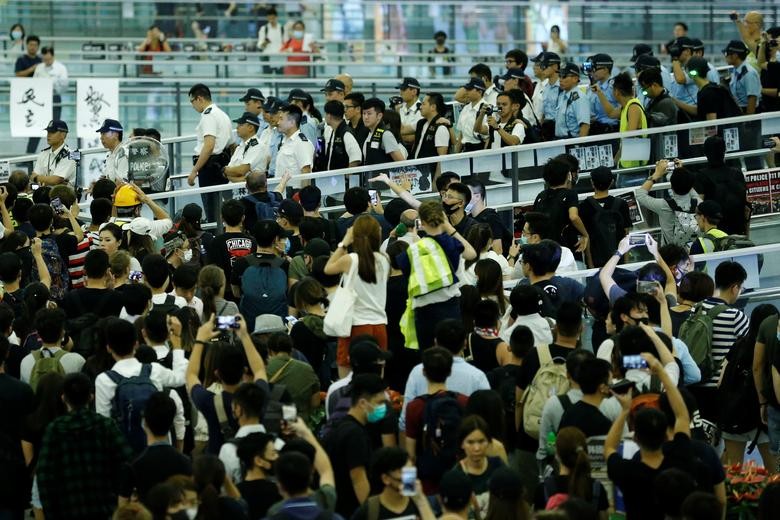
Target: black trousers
point(211, 175)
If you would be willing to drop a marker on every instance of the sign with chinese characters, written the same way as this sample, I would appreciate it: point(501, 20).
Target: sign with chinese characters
point(634, 210)
point(591, 157)
point(416, 179)
point(96, 99)
point(5, 171)
point(763, 191)
point(30, 106)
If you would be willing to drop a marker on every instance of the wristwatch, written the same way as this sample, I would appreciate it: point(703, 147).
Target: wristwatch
point(341, 245)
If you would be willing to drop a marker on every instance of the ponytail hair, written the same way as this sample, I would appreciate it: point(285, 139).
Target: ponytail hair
point(211, 280)
point(572, 449)
point(310, 292)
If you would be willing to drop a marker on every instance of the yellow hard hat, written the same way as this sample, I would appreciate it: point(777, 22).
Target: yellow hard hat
point(126, 197)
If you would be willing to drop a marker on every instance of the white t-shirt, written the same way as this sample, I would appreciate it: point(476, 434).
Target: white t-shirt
point(468, 115)
point(371, 297)
point(350, 145)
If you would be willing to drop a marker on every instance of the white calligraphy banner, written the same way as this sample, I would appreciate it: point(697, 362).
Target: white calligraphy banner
point(30, 106)
point(96, 99)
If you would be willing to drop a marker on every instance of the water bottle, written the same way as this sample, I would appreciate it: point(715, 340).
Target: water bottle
point(551, 444)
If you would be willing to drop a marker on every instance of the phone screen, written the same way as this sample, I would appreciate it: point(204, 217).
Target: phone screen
point(408, 481)
point(226, 322)
point(637, 240)
point(374, 197)
point(634, 362)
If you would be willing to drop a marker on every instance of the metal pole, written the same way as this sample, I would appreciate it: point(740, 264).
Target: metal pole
point(515, 175)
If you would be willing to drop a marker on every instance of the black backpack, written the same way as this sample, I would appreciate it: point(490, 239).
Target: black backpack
point(84, 330)
point(438, 451)
point(551, 202)
point(168, 306)
point(737, 393)
point(607, 226)
point(272, 415)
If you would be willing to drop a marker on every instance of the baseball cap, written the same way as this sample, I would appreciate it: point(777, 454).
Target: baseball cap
point(56, 125)
point(316, 247)
point(192, 212)
point(110, 125)
point(334, 85)
point(298, 94)
point(548, 58)
point(709, 209)
point(698, 45)
point(475, 84)
point(253, 93)
point(310, 197)
point(684, 42)
point(646, 61)
point(513, 73)
point(506, 483)
point(455, 490)
point(290, 208)
point(171, 243)
point(268, 324)
point(735, 47)
point(641, 49)
point(126, 197)
point(601, 60)
point(248, 117)
point(273, 105)
point(697, 66)
point(538, 57)
point(139, 226)
point(365, 353)
point(409, 82)
point(569, 69)
point(601, 175)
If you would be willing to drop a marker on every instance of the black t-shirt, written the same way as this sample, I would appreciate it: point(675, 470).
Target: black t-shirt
point(348, 447)
point(491, 217)
point(464, 225)
point(716, 99)
point(587, 214)
point(770, 78)
point(260, 495)
point(587, 418)
point(24, 62)
point(726, 186)
point(226, 248)
point(556, 203)
point(678, 318)
point(483, 352)
point(103, 302)
point(384, 513)
point(295, 245)
point(241, 264)
point(154, 465)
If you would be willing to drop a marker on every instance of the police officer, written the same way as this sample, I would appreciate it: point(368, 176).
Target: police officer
point(601, 74)
point(271, 137)
point(247, 155)
point(698, 51)
point(683, 88)
point(54, 164)
point(309, 123)
point(341, 148)
point(213, 134)
point(549, 66)
point(470, 116)
point(409, 110)
point(513, 80)
point(253, 103)
point(572, 118)
point(537, 100)
point(431, 138)
point(648, 61)
point(334, 90)
point(745, 84)
point(381, 145)
point(296, 153)
point(116, 166)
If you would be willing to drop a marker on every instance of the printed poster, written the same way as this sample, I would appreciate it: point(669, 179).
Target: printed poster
point(591, 157)
point(96, 99)
point(763, 191)
point(5, 171)
point(417, 179)
point(697, 136)
point(671, 151)
point(634, 210)
point(731, 138)
point(30, 106)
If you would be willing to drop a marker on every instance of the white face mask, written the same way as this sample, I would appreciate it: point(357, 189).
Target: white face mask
point(469, 207)
point(298, 35)
point(192, 512)
point(187, 255)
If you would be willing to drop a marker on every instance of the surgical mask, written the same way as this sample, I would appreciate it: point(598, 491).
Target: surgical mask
point(377, 414)
point(523, 240)
point(469, 207)
point(286, 245)
point(185, 514)
point(16, 35)
point(449, 209)
point(187, 256)
point(298, 35)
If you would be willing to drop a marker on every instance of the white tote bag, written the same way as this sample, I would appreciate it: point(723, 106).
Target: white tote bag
point(338, 319)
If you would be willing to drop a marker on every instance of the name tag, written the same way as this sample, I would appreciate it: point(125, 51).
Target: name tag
point(375, 144)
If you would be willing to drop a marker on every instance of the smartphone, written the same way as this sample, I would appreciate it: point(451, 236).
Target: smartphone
point(289, 413)
point(637, 240)
point(418, 223)
point(227, 322)
point(35, 186)
point(622, 387)
point(768, 143)
point(670, 166)
point(57, 205)
point(636, 361)
point(408, 481)
point(75, 155)
point(291, 320)
point(734, 17)
point(135, 276)
point(645, 287)
point(374, 197)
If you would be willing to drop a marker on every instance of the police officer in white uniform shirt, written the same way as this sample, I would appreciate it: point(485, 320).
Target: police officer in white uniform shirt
point(247, 155)
point(469, 139)
point(296, 153)
point(54, 164)
point(213, 134)
point(409, 110)
point(116, 165)
point(253, 103)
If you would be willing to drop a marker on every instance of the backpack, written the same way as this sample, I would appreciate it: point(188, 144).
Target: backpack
point(438, 451)
point(739, 410)
point(168, 306)
point(57, 267)
point(551, 202)
point(84, 328)
point(340, 410)
point(266, 210)
point(263, 288)
point(607, 226)
point(128, 404)
point(549, 380)
point(696, 332)
point(46, 364)
point(272, 415)
point(730, 242)
point(684, 228)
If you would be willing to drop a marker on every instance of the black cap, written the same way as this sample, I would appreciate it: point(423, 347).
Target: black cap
point(334, 85)
point(109, 125)
point(409, 83)
point(273, 105)
point(298, 94)
point(288, 208)
point(569, 69)
point(601, 60)
point(709, 209)
point(192, 212)
point(538, 57)
point(550, 58)
point(514, 73)
point(455, 490)
point(253, 93)
point(646, 61)
point(365, 353)
point(248, 117)
point(506, 484)
point(641, 49)
point(316, 247)
point(684, 42)
point(698, 45)
point(56, 125)
point(697, 66)
point(736, 47)
point(475, 84)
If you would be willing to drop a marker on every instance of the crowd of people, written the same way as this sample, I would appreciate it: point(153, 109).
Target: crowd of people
point(292, 365)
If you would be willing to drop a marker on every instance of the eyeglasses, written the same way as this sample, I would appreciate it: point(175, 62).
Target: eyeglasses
point(347, 107)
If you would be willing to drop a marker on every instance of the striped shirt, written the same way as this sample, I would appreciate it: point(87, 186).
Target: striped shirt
point(727, 327)
point(76, 263)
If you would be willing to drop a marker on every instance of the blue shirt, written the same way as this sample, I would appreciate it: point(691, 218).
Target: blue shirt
point(712, 74)
point(595, 105)
point(573, 111)
point(464, 378)
point(686, 93)
point(550, 98)
point(273, 147)
point(745, 83)
point(309, 129)
point(24, 62)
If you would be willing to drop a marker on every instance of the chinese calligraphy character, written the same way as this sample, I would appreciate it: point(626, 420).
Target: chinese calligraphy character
point(95, 102)
point(29, 97)
point(28, 118)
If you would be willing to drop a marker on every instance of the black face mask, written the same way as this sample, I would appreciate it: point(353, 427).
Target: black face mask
point(646, 321)
point(179, 515)
point(440, 42)
point(450, 209)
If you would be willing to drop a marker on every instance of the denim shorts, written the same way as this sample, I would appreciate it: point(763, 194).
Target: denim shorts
point(773, 424)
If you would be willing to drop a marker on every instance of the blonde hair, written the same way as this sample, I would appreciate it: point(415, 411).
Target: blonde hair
point(431, 212)
point(119, 263)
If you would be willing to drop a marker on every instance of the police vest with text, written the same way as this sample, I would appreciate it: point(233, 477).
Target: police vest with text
point(337, 151)
point(428, 147)
point(375, 150)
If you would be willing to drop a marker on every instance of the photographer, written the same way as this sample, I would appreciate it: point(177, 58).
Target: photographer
point(769, 69)
point(683, 88)
point(501, 124)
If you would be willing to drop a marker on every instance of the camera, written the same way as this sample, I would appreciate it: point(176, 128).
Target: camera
point(768, 143)
point(135, 276)
point(57, 205)
point(418, 223)
point(291, 320)
point(637, 240)
point(396, 100)
point(772, 43)
point(734, 17)
point(227, 322)
point(645, 287)
point(373, 195)
point(74, 155)
point(587, 67)
point(289, 413)
point(408, 481)
point(636, 361)
point(489, 111)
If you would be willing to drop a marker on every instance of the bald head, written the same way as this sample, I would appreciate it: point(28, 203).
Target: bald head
point(256, 181)
point(408, 217)
point(346, 79)
point(754, 22)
